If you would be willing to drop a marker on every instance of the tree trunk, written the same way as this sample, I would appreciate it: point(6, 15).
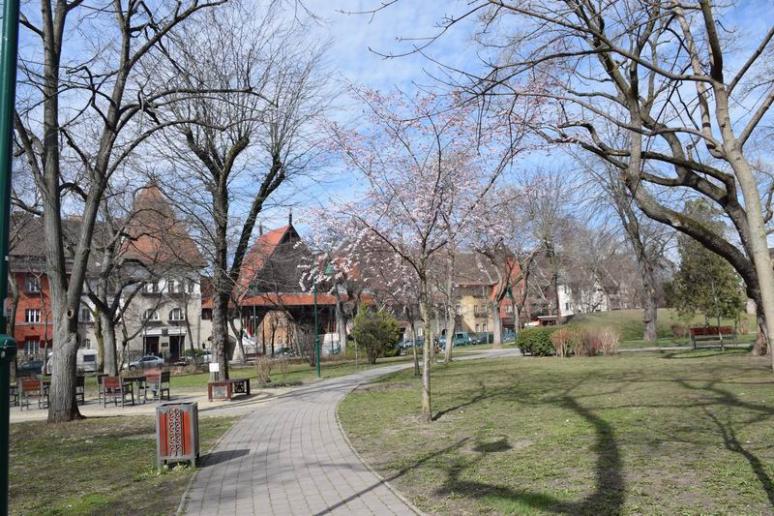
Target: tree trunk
point(220, 336)
point(427, 351)
point(110, 365)
point(62, 406)
point(414, 347)
point(451, 330)
point(341, 324)
point(497, 342)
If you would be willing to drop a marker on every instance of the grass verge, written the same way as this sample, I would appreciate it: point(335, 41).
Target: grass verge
point(97, 466)
point(671, 433)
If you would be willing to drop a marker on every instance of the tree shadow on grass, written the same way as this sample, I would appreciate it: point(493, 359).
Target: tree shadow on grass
point(607, 498)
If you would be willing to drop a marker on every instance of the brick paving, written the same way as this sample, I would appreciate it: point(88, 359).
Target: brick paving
point(290, 457)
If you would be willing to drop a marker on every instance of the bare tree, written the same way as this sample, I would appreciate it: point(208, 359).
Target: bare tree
point(232, 150)
point(76, 124)
point(665, 73)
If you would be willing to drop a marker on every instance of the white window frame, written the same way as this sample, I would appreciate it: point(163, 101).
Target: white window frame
point(32, 315)
point(85, 311)
point(32, 284)
point(150, 315)
point(172, 318)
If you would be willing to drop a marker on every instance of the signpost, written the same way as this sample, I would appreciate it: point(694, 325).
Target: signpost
point(10, 42)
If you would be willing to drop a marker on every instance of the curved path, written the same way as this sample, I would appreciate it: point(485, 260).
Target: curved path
point(290, 456)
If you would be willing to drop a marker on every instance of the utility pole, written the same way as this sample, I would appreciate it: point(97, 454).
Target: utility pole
point(8, 52)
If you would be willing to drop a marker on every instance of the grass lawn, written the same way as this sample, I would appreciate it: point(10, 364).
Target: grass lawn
point(629, 324)
point(97, 466)
point(670, 433)
point(296, 373)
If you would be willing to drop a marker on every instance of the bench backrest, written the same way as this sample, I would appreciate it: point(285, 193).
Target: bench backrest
point(111, 382)
point(28, 384)
point(165, 377)
point(712, 330)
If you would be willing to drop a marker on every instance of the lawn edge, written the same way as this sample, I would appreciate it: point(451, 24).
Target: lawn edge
point(183, 499)
point(378, 475)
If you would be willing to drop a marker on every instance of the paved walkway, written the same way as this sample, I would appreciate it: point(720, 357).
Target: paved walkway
point(291, 457)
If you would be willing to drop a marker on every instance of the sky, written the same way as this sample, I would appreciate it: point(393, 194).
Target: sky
point(356, 44)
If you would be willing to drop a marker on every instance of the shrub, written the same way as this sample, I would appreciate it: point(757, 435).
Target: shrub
point(565, 341)
point(263, 366)
point(536, 341)
point(679, 331)
point(376, 331)
point(595, 341)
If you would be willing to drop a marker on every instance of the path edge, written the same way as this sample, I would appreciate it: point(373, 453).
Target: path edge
point(183, 499)
point(366, 464)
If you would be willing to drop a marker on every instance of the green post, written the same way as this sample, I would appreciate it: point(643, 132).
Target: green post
point(316, 333)
point(10, 41)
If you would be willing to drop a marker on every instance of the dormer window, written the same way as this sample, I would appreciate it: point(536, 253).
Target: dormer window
point(32, 284)
point(85, 315)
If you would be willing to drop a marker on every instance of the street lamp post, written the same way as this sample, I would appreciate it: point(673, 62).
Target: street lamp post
point(316, 332)
point(10, 41)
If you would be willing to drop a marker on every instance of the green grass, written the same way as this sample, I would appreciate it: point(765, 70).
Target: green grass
point(297, 373)
point(97, 466)
point(629, 323)
point(671, 433)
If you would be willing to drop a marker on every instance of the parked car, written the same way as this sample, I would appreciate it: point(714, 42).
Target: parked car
point(461, 338)
point(284, 352)
point(30, 368)
point(409, 343)
point(147, 362)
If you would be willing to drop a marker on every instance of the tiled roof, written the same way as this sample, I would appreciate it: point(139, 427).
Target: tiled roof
point(258, 255)
point(157, 236)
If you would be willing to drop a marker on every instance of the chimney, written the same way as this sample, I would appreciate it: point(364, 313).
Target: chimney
point(260, 229)
point(290, 217)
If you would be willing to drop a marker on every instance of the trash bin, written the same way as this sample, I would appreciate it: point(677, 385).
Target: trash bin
point(177, 433)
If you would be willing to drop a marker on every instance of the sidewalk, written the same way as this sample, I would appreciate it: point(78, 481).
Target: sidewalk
point(291, 457)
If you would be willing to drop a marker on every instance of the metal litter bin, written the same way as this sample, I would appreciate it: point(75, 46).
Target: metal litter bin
point(177, 433)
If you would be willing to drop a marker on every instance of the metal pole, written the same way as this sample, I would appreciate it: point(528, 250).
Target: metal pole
point(10, 41)
point(316, 333)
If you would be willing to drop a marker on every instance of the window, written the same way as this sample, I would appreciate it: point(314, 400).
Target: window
point(89, 358)
point(85, 315)
point(151, 287)
point(32, 284)
point(458, 309)
point(508, 309)
point(176, 314)
point(32, 315)
point(150, 315)
point(87, 345)
point(174, 286)
point(206, 314)
point(483, 328)
point(478, 328)
point(567, 306)
point(31, 345)
point(191, 286)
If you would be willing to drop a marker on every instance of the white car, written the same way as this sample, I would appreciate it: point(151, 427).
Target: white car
point(147, 362)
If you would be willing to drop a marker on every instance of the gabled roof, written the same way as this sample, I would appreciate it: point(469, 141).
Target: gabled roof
point(156, 236)
point(259, 255)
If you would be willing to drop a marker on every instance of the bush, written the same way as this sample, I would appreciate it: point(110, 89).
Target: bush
point(263, 366)
point(376, 331)
point(595, 341)
point(679, 331)
point(565, 340)
point(536, 341)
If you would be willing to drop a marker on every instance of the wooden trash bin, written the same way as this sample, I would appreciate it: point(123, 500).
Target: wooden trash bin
point(177, 433)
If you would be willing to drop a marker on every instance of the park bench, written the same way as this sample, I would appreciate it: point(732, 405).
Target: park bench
point(711, 334)
point(80, 389)
point(226, 389)
point(157, 382)
point(32, 388)
point(115, 388)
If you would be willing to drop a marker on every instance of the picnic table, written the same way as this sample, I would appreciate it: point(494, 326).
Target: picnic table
point(226, 389)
